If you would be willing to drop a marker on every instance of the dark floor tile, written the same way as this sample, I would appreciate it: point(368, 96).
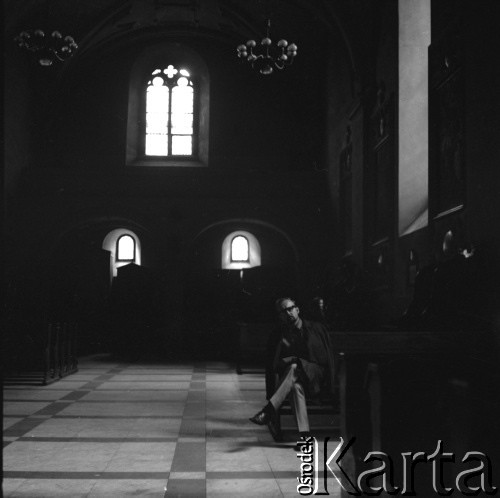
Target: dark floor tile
point(196, 396)
point(193, 427)
point(198, 384)
point(189, 457)
point(199, 376)
point(195, 409)
point(22, 427)
point(195, 488)
point(54, 408)
point(74, 395)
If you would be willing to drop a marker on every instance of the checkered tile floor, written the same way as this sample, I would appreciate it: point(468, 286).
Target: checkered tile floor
point(143, 429)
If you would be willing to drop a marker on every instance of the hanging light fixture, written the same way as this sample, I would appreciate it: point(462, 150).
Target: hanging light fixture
point(46, 48)
point(271, 56)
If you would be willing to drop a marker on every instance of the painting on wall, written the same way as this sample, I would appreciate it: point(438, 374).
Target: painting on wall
point(380, 179)
point(446, 117)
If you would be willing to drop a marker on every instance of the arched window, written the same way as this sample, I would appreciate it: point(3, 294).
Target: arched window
point(125, 248)
point(239, 249)
point(168, 112)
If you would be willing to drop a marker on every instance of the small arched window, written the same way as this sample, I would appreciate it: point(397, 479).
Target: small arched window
point(239, 249)
point(169, 113)
point(125, 248)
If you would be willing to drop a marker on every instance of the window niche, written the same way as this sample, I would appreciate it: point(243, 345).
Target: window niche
point(179, 68)
point(240, 250)
point(125, 248)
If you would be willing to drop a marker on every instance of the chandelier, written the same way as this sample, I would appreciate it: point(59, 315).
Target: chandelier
point(47, 48)
point(271, 56)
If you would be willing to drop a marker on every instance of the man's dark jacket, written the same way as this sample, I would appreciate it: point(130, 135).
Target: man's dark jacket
point(319, 351)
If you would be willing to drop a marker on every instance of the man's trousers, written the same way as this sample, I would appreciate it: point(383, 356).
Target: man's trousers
point(290, 384)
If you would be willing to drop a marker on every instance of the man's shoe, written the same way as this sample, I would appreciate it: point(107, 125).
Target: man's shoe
point(261, 418)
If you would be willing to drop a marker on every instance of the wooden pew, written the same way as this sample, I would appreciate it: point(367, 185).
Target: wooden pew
point(405, 391)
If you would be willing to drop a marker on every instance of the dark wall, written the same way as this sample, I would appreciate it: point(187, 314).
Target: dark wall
point(275, 153)
point(273, 123)
point(266, 163)
point(472, 224)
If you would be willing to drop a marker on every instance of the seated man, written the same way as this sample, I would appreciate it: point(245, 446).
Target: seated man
point(303, 360)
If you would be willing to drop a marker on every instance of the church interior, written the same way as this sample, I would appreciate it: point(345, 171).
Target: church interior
point(172, 167)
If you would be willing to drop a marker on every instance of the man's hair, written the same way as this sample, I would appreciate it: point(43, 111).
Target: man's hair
point(280, 301)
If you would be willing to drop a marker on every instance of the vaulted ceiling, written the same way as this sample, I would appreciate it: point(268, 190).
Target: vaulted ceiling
point(105, 25)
